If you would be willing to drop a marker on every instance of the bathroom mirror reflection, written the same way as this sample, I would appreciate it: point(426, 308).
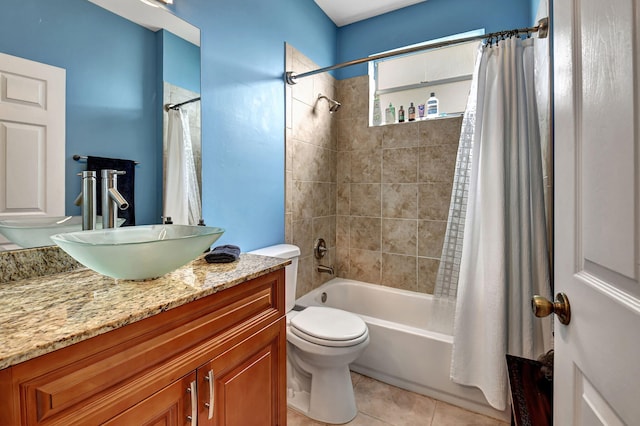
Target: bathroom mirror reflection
point(122, 66)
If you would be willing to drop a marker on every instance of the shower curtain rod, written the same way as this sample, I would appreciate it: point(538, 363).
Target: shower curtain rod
point(542, 29)
point(167, 107)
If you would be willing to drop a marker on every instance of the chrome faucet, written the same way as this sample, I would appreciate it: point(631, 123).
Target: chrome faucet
point(111, 198)
point(326, 269)
point(87, 199)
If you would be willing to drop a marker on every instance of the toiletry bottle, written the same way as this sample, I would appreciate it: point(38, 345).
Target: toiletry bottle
point(377, 112)
point(401, 114)
point(390, 115)
point(432, 106)
point(421, 111)
point(412, 112)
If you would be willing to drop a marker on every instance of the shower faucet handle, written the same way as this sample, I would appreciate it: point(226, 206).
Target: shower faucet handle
point(320, 248)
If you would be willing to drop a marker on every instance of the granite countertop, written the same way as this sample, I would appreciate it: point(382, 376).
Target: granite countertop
point(43, 314)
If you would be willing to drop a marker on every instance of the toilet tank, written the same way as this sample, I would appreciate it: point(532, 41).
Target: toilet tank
point(285, 251)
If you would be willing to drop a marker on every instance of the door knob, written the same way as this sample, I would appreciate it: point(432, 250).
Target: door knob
point(543, 307)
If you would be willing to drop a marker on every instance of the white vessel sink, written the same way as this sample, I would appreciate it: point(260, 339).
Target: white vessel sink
point(36, 231)
point(138, 252)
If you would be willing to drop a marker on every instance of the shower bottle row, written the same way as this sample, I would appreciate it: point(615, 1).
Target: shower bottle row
point(432, 109)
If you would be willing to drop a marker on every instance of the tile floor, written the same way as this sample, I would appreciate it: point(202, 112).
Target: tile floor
point(380, 404)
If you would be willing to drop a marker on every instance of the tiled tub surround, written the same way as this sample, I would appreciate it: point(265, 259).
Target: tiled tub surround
point(393, 194)
point(311, 165)
point(40, 315)
point(379, 196)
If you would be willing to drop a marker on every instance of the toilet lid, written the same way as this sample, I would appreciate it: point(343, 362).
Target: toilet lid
point(329, 325)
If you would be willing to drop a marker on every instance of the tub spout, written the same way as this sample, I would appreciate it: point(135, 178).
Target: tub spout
point(326, 269)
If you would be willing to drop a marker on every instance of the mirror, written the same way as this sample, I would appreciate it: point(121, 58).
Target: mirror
point(122, 65)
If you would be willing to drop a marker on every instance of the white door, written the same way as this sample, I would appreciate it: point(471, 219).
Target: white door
point(597, 210)
point(32, 138)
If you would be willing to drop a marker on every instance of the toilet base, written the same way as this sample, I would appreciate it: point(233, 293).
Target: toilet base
point(328, 406)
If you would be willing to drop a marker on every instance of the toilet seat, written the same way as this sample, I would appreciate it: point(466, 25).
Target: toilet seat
point(329, 327)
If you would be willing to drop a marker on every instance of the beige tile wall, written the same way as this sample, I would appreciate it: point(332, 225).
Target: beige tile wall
point(311, 167)
point(379, 196)
point(393, 192)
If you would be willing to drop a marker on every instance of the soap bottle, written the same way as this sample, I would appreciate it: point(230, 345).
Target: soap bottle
point(377, 112)
point(390, 115)
point(401, 114)
point(433, 106)
point(412, 112)
point(421, 111)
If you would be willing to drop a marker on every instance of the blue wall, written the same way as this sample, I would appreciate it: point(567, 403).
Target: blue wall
point(180, 62)
point(533, 10)
point(114, 118)
point(426, 21)
point(243, 107)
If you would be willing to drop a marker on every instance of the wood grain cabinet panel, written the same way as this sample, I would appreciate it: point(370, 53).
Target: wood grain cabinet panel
point(142, 371)
point(244, 386)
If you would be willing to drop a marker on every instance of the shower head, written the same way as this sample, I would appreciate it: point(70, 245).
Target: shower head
point(333, 104)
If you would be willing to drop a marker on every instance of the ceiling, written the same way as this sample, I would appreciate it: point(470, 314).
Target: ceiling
point(152, 16)
point(347, 12)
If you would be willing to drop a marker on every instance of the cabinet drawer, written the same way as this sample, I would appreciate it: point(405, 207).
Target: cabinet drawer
point(142, 358)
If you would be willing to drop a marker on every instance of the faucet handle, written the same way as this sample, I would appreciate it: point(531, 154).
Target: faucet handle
point(109, 173)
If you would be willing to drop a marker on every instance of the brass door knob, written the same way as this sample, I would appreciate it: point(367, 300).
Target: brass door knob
point(543, 307)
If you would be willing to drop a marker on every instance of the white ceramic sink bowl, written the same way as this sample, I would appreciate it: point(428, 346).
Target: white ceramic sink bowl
point(138, 252)
point(36, 231)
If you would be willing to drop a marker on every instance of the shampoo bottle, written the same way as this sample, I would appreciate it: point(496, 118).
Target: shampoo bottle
point(412, 112)
point(390, 115)
point(377, 111)
point(433, 106)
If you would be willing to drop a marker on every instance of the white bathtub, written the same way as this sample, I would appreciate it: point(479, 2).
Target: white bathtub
point(411, 340)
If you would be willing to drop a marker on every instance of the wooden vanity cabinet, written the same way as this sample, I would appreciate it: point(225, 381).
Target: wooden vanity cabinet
point(218, 361)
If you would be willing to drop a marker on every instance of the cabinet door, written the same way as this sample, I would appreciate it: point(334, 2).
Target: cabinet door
point(172, 406)
point(246, 385)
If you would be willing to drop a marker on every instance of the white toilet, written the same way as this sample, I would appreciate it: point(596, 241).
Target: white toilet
point(321, 343)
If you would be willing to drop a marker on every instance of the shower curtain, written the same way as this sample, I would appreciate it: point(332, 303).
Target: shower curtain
point(181, 191)
point(504, 259)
